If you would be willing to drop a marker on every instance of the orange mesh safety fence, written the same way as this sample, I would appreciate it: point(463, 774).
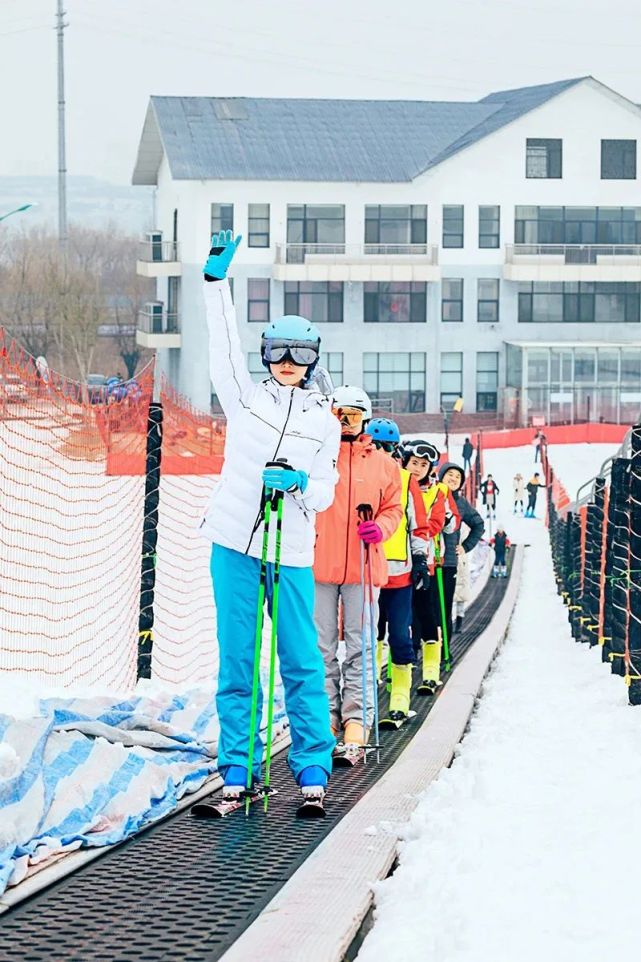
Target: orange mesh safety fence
point(70, 525)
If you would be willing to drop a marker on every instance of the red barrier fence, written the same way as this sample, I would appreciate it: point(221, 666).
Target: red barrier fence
point(561, 434)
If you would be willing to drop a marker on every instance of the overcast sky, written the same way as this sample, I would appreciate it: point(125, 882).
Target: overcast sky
point(118, 52)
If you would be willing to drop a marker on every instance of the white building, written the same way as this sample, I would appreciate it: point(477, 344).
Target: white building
point(490, 250)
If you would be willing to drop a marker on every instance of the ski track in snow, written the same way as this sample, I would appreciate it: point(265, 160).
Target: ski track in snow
point(526, 848)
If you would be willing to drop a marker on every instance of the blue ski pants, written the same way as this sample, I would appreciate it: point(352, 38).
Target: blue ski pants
point(395, 610)
point(236, 578)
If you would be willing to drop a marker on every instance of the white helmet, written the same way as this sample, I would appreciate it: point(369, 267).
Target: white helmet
point(353, 397)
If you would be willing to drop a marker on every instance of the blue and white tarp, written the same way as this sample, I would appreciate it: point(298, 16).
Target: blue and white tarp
point(92, 771)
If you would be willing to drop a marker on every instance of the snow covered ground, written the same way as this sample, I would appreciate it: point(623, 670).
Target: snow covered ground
point(514, 851)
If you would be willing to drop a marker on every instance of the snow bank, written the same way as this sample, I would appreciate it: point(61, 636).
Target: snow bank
point(511, 853)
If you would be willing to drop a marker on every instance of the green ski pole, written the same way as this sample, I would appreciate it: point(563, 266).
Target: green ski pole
point(279, 498)
point(260, 616)
point(441, 598)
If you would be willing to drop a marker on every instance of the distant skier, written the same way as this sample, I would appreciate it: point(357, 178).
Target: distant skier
point(276, 418)
point(538, 441)
point(501, 544)
point(468, 453)
point(533, 486)
point(519, 491)
point(490, 490)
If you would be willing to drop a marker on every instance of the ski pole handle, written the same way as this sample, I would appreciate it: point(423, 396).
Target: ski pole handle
point(365, 512)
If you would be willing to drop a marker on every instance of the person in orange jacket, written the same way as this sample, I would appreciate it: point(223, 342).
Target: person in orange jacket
point(420, 458)
point(366, 476)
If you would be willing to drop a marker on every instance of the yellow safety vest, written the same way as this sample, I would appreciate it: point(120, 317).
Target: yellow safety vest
point(429, 494)
point(395, 548)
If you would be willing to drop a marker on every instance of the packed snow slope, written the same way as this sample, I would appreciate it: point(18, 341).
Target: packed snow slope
point(514, 851)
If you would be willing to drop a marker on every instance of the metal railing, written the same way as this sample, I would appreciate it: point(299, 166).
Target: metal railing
point(161, 252)
point(572, 253)
point(341, 253)
point(158, 322)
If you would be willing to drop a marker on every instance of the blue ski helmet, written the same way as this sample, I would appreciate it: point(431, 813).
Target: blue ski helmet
point(301, 333)
point(384, 430)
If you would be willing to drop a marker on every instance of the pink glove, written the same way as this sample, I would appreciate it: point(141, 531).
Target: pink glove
point(369, 532)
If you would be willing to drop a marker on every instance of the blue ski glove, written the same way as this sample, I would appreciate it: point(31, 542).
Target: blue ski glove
point(223, 248)
point(285, 479)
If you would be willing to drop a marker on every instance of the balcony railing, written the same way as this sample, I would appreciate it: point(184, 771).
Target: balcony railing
point(355, 253)
point(575, 253)
point(158, 322)
point(158, 252)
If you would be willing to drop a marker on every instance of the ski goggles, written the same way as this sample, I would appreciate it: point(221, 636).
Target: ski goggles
point(389, 446)
point(351, 416)
point(298, 352)
point(421, 449)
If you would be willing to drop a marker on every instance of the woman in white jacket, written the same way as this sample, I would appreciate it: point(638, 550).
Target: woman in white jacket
point(276, 419)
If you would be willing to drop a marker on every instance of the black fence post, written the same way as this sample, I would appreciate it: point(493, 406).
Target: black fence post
point(620, 569)
point(149, 540)
point(634, 621)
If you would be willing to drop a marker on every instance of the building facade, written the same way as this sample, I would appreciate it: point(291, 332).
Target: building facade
point(489, 251)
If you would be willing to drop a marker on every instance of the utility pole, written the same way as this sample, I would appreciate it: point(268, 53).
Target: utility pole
point(62, 161)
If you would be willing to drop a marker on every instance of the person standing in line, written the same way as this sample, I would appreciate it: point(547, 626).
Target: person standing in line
point(519, 491)
point(366, 476)
point(489, 491)
point(420, 458)
point(468, 453)
point(407, 561)
point(278, 418)
point(533, 486)
point(454, 477)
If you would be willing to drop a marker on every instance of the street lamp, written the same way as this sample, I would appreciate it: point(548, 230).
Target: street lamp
point(18, 210)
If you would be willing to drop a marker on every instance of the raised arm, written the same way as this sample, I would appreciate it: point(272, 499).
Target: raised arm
point(227, 364)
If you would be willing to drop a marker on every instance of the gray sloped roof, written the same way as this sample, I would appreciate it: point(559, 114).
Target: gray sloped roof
point(247, 138)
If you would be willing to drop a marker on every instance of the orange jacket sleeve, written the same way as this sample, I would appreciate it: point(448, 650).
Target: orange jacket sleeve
point(390, 510)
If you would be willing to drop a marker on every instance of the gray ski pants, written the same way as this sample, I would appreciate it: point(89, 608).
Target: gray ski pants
point(345, 705)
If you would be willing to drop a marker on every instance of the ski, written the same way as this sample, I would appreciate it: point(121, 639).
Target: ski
point(394, 721)
point(312, 806)
point(346, 756)
point(429, 688)
point(224, 807)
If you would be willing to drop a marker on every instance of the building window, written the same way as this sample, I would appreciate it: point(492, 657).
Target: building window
point(543, 158)
point(488, 299)
point(451, 378)
point(487, 380)
point(257, 369)
point(489, 226)
point(577, 225)
point(258, 299)
point(222, 217)
point(399, 378)
point(314, 228)
point(618, 159)
point(258, 225)
point(317, 300)
point(394, 226)
point(579, 303)
point(453, 230)
point(332, 361)
point(397, 302)
point(452, 299)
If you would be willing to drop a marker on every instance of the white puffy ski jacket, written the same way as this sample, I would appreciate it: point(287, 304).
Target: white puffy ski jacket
point(265, 422)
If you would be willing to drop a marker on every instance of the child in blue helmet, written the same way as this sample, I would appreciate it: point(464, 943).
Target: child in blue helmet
point(278, 419)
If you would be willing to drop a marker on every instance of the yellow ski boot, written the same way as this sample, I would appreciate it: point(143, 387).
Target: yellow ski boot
point(399, 702)
point(431, 668)
point(352, 750)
